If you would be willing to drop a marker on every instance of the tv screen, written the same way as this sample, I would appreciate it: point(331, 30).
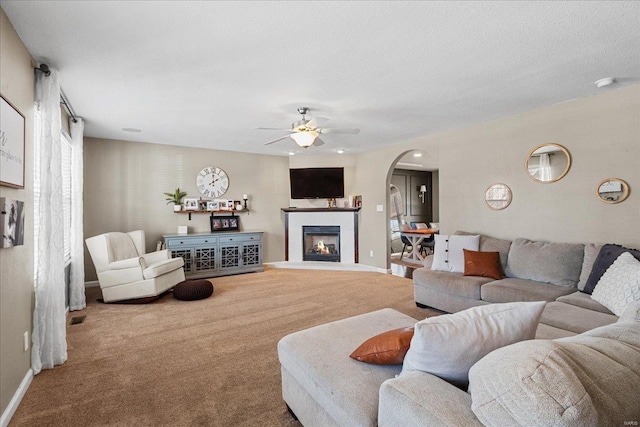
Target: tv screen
point(317, 183)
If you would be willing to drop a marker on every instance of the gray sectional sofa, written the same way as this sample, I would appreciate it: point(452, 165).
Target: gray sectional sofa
point(583, 368)
point(535, 271)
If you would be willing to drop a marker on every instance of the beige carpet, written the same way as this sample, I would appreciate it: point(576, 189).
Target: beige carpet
point(211, 362)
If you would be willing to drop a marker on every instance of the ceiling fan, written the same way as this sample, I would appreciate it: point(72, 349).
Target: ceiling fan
point(305, 131)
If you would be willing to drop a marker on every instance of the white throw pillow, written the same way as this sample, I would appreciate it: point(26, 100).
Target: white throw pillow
point(619, 286)
point(448, 254)
point(448, 345)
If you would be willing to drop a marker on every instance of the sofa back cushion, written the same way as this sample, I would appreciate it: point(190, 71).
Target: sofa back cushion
point(556, 263)
point(587, 379)
point(491, 244)
point(591, 251)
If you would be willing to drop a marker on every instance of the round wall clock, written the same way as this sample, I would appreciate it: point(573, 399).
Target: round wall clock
point(212, 181)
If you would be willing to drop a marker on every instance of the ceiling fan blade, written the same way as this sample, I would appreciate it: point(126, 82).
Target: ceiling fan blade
point(276, 140)
point(280, 129)
point(318, 142)
point(334, 130)
point(317, 121)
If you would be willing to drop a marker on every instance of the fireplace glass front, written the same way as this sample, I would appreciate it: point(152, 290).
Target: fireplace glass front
point(321, 243)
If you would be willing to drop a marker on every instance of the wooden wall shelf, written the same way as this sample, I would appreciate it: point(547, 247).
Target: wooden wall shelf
point(212, 213)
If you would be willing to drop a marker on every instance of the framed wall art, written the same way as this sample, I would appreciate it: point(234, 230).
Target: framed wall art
point(11, 222)
point(11, 145)
point(225, 223)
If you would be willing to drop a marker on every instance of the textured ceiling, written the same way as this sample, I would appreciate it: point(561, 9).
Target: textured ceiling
point(204, 74)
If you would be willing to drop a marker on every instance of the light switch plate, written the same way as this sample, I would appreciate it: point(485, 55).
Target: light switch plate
point(379, 208)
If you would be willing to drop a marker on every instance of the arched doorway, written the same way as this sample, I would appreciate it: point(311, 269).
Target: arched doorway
point(413, 177)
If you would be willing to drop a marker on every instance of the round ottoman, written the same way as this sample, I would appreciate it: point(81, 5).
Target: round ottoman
point(191, 290)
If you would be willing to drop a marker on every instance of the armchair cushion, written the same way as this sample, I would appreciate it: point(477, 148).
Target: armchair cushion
point(157, 256)
point(121, 247)
point(162, 267)
point(128, 263)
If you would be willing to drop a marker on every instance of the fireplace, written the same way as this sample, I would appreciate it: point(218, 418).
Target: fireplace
point(321, 243)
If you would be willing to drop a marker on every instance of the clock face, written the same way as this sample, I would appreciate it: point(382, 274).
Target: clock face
point(212, 182)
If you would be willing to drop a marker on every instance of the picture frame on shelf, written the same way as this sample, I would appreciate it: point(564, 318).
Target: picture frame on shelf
point(357, 201)
point(225, 223)
point(223, 205)
point(213, 205)
point(191, 204)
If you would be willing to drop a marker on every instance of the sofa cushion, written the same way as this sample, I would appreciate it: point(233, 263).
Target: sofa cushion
point(448, 345)
point(451, 283)
point(607, 255)
point(421, 399)
point(573, 318)
point(591, 251)
point(387, 348)
point(619, 286)
point(588, 379)
point(580, 299)
point(483, 264)
point(491, 244)
point(631, 314)
point(507, 290)
point(555, 263)
point(318, 359)
point(448, 255)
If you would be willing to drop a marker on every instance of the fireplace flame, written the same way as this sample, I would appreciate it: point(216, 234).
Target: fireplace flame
point(321, 248)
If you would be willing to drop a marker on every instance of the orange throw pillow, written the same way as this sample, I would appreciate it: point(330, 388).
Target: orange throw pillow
point(388, 348)
point(484, 264)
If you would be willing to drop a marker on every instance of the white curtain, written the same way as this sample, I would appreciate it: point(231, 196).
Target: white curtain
point(545, 168)
point(49, 318)
point(77, 300)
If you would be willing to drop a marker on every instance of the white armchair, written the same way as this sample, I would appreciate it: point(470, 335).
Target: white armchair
point(126, 272)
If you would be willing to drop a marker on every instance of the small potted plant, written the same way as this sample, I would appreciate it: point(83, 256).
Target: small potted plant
point(176, 199)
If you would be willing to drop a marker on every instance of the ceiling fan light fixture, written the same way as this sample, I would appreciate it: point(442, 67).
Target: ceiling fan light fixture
point(304, 139)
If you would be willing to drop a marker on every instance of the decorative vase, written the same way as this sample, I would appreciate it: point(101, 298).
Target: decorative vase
point(177, 208)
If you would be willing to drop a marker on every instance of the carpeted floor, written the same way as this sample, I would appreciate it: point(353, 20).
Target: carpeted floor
point(211, 362)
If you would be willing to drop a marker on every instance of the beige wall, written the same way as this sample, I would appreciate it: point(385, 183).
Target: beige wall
point(601, 132)
point(124, 184)
point(16, 264)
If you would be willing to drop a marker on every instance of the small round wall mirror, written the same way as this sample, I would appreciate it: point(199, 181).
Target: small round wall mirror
point(498, 196)
point(548, 163)
point(612, 190)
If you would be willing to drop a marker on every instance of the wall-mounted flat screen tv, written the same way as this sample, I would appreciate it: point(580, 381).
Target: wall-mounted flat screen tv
point(317, 183)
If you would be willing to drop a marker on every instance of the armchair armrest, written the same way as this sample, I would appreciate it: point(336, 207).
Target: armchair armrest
point(128, 263)
point(157, 256)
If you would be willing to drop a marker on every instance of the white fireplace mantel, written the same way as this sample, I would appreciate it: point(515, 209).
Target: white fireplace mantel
point(345, 218)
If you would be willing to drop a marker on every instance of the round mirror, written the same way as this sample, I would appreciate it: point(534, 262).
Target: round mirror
point(548, 163)
point(498, 196)
point(612, 190)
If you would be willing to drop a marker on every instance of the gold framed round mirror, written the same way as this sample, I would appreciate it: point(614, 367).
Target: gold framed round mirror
point(498, 196)
point(612, 190)
point(547, 163)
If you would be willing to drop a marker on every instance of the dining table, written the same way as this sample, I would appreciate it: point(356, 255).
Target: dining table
point(416, 236)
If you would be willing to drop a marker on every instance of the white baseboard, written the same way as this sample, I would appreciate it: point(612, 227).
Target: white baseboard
point(319, 265)
point(16, 399)
point(92, 284)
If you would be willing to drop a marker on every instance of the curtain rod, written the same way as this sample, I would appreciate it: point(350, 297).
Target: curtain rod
point(67, 106)
point(63, 99)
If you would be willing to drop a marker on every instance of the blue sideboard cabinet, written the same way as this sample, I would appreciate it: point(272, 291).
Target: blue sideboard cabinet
point(217, 254)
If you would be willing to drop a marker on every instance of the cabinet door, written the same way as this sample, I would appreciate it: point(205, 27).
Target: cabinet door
point(251, 254)
point(205, 259)
point(187, 256)
point(230, 255)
